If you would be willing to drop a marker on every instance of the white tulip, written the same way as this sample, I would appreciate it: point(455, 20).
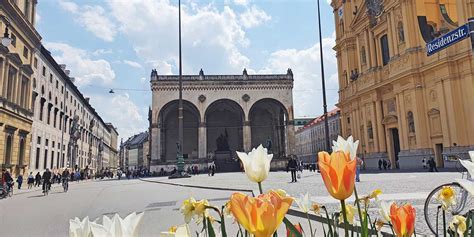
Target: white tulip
point(256, 163)
point(78, 228)
point(469, 165)
point(118, 227)
point(384, 209)
point(347, 146)
point(471, 154)
point(181, 231)
point(467, 185)
point(304, 202)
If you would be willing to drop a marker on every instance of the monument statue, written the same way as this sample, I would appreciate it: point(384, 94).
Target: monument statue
point(222, 142)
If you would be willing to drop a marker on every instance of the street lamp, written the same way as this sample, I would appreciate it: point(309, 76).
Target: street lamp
point(325, 106)
point(6, 40)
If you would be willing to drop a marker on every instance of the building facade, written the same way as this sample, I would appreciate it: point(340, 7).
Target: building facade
point(301, 122)
point(400, 103)
point(135, 152)
point(311, 139)
point(222, 114)
point(16, 60)
point(60, 113)
point(112, 149)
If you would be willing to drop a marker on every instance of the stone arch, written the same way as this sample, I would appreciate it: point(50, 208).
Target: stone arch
point(268, 124)
point(168, 123)
point(8, 149)
point(224, 119)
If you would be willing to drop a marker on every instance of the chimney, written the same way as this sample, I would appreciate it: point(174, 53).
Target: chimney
point(67, 72)
point(87, 99)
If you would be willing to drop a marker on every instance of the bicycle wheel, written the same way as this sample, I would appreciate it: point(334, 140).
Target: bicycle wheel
point(434, 214)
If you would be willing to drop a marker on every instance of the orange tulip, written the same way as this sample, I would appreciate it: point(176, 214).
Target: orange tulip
point(260, 215)
point(338, 172)
point(403, 219)
point(297, 227)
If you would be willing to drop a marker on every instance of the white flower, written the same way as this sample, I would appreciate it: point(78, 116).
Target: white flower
point(304, 203)
point(347, 146)
point(256, 163)
point(467, 185)
point(384, 209)
point(178, 231)
point(78, 228)
point(469, 165)
point(118, 227)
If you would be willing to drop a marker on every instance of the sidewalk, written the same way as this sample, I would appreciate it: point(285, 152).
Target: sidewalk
point(24, 188)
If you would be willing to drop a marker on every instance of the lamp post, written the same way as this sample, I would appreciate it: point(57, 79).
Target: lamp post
point(6, 40)
point(325, 106)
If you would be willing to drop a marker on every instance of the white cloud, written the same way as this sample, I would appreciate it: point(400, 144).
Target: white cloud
point(241, 2)
point(85, 69)
point(93, 18)
point(99, 52)
point(132, 64)
point(125, 115)
point(213, 36)
point(305, 64)
point(253, 17)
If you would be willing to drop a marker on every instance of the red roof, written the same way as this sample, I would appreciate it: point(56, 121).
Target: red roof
point(319, 119)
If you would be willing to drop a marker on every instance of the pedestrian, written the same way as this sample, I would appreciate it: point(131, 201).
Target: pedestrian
point(19, 180)
point(359, 163)
point(433, 164)
point(389, 164)
point(384, 164)
point(213, 168)
point(292, 165)
point(380, 164)
point(31, 180)
point(38, 179)
point(46, 180)
point(423, 162)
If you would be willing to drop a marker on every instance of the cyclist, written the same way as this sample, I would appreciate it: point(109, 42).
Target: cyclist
point(65, 176)
point(46, 180)
point(7, 181)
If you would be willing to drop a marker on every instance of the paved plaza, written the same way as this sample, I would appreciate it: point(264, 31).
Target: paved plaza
point(32, 214)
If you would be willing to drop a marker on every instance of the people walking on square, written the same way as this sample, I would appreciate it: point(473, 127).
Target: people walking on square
point(380, 164)
point(384, 164)
point(423, 162)
point(37, 179)
point(389, 164)
point(360, 162)
point(292, 165)
point(19, 180)
point(432, 165)
point(31, 180)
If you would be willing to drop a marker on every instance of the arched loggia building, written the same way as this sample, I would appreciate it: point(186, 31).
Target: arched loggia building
point(222, 114)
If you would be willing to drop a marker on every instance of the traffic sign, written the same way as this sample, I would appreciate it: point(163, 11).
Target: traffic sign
point(447, 40)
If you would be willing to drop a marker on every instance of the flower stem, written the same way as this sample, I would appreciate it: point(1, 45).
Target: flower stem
point(310, 226)
point(344, 216)
point(361, 219)
point(260, 187)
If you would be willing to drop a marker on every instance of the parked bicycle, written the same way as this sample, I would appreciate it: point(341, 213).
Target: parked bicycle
point(7, 191)
point(434, 215)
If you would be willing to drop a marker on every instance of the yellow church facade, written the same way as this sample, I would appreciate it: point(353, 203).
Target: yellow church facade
point(403, 105)
point(16, 81)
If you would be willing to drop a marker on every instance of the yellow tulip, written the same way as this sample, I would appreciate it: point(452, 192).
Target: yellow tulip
point(458, 224)
point(403, 219)
point(260, 215)
point(447, 197)
point(338, 173)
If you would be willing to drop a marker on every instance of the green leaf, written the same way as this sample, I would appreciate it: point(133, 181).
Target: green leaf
point(468, 222)
point(210, 229)
point(293, 231)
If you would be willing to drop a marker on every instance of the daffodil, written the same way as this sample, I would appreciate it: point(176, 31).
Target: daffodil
point(350, 213)
point(375, 194)
point(256, 163)
point(379, 224)
point(177, 231)
point(200, 208)
point(346, 146)
point(458, 224)
point(304, 203)
point(316, 208)
point(188, 208)
point(447, 197)
point(384, 209)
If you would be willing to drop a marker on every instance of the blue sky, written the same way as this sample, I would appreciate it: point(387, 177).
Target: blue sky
point(115, 44)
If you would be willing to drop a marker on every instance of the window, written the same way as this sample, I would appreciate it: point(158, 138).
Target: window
point(11, 83)
point(57, 84)
point(52, 159)
point(385, 50)
point(8, 150)
point(13, 40)
point(35, 62)
point(401, 32)
point(38, 141)
point(25, 52)
point(21, 152)
point(363, 57)
point(45, 164)
point(50, 78)
point(44, 71)
point(46, 142)
point(370, 131)
point(24, 92)
point(411, 122)
point(37, 160)
point(52, 144)
point(43, 100)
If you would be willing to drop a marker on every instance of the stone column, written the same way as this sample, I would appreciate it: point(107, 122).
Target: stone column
point(202, 141)
point(155, 143)
point(380, 128)
point(247, 133)
point(290, 134)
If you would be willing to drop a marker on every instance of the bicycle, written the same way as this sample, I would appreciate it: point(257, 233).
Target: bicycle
point(7, 190)
point(435, 216)
point(65, 185)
